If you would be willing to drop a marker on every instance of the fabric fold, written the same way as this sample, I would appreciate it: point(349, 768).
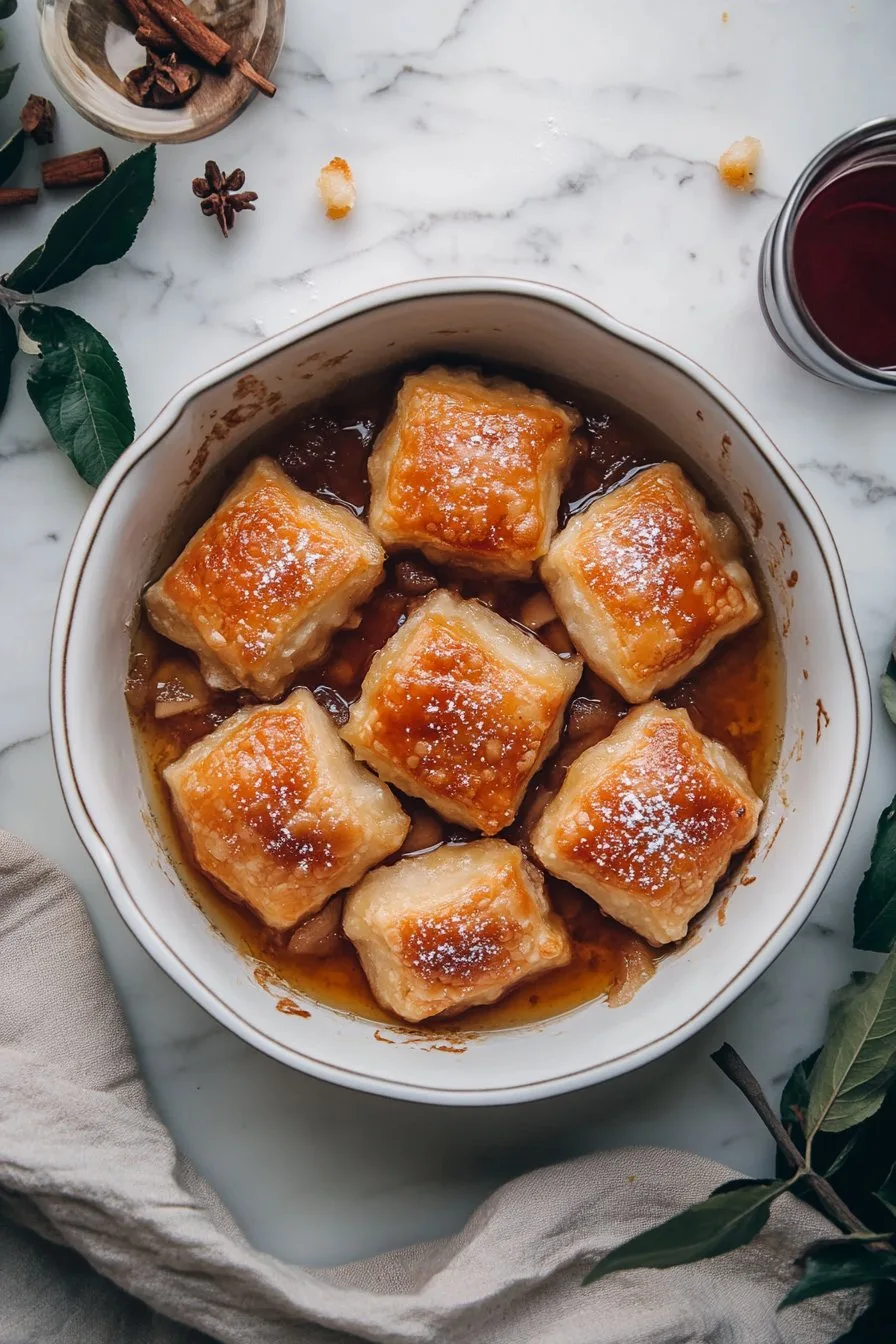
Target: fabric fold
point(107, 1234)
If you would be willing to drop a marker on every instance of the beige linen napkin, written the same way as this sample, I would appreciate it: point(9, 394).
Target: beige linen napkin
point(107, 1236)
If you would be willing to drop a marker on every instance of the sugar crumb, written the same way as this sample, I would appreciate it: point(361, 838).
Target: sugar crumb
point(337, 188)
point(738, 164)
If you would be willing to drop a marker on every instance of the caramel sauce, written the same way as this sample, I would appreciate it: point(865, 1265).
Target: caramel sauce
point(736, 697)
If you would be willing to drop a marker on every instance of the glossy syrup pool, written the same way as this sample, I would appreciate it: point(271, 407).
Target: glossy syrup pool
point(736, 697)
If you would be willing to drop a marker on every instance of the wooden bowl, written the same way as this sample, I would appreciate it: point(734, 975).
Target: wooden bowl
point(89, 47)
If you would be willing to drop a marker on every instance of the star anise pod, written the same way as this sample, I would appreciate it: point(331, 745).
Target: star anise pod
point(222, 196)
point(164, 81)
point(38, 117)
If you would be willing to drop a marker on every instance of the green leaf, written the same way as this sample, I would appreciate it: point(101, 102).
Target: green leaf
point(9, 348)
point(887, 1193)
point(739, 1183)
point(855, 1162)
point(98, 228)
point(794, 1104)
point(727, 1219)
point(845, 1153)
point(875, 909)
point(7, 8)
point(858, 1060)
point(79, 390)
point(6, 78)
point(830, 1154)
point(11, 155)
point(888, 686)
point(831, 1266)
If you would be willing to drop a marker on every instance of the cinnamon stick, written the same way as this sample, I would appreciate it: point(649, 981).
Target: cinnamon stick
point(165, 24)
point(248, 70)
point(189, 30)
point(18, 195)
point(146, 36)
point(150, 33)
point(83, 169)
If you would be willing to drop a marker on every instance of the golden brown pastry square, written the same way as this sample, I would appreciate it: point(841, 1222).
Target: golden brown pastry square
point(647, 821)
point(647, 582)
point(446, 931)
point(469, 470)
point(261, 587)
point(278, 813)
point(460, 708)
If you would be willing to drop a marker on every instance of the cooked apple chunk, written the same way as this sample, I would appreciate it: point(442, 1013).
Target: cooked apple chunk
point(278, 813)
point(460, 708)
point(452, 929)
point(647, 821)
point(647, 582)
point(262, 586)
point(469, 470)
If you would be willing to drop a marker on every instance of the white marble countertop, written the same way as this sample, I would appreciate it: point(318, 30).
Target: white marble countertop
point(572, 142)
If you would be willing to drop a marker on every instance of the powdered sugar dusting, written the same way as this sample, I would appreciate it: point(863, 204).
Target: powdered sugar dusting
point(466, 725)
point(664, 817)
point(262, 563)
point(261, 789)
point(468, 943)
point(643, 554)
point(473, 464)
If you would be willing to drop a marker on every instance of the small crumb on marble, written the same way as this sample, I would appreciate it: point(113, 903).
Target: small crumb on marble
point(738, 164)
point(337, 188)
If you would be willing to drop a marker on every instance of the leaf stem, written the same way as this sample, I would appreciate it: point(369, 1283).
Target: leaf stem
point(883, 1237)
point(733, 1067)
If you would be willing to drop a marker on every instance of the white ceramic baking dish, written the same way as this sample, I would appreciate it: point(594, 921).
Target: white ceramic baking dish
point(510, 322)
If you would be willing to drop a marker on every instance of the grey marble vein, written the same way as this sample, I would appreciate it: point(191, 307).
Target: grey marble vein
point(864, 487)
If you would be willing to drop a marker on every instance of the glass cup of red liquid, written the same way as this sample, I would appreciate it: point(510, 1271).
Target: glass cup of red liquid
point(827, 273)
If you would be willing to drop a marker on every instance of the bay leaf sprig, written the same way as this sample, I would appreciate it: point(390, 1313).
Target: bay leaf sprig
point(78, 389)
point(77, 384)
point(875, 908)
point(857, 1063)
point(835, 1134)
point(732, 1215)
point(97, 229)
